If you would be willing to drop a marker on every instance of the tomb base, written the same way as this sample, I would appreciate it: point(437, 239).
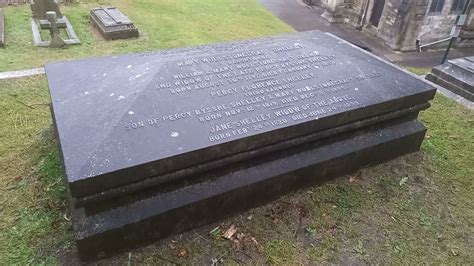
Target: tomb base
point(103, 230)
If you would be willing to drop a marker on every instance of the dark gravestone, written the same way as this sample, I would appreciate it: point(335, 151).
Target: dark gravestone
point(40, 7)
point(2, 29)
point(456, 75)
point(157, 143)
point(113, 24)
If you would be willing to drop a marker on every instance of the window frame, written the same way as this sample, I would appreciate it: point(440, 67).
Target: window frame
point(437, 8)
point(459, 6)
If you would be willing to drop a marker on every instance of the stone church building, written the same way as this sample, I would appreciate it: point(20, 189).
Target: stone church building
point(400, 23)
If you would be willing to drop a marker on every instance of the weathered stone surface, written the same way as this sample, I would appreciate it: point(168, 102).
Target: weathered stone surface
point(157, 143)
point(113, 24)
point(401, 23)
point(2, 28)
point(40, 7)
point(190, 174)
point(43, 18)
point(140, 116)
point(456, 75)
point(102, 233)
point(56, 41)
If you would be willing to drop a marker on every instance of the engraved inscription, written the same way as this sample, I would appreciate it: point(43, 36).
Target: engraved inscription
point(256, 90)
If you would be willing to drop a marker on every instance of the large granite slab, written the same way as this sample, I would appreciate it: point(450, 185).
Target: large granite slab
point(229, 191)
point(157, 143)
point(126, 119)
point(456, 75)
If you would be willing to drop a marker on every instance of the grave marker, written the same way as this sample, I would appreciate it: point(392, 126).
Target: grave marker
point(113, 24)
point(157, 143)
point(56, 41)
point(456, 75)
point(40, 7)
point(43, 19)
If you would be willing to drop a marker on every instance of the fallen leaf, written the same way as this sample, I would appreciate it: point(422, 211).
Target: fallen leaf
point(182, 252)
point(229, 233)
point(454, 252)
point(66, 217)
point(216, 261)
point(403, 181)
point(254, 240)
point(352, 178)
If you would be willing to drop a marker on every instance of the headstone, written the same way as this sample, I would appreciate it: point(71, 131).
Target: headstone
point(456, 75)
point(2, 29)
point(56, 41)
point(45, 17)
point(40, 7)
point(157, 143)
point(113, 24)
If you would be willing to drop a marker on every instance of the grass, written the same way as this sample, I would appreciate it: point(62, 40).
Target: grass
point(419, 70)
point(32, 196)
point(162, 24)
point(417, 209)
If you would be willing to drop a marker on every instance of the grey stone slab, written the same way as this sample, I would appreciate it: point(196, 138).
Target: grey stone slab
point(46, 24)
point(456, 75)
point(462, 80)
point(38, 40)
point(115, 195)
point(124, 119)
point(449, 85)
point(56, 40)
point(113, 24)
point(233, 190)
point(2, 28)
point(455, 97)
point(466, 64)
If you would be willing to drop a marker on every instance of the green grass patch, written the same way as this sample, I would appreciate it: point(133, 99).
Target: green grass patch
point(32, 227)
point(280, 252)
point(419, 70)
point(162, 24)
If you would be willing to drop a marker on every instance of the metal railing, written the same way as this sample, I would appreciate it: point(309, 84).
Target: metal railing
point(420, 45)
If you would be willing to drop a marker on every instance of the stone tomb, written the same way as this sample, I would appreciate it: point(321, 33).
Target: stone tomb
point(2, 29)
point(113, 24)
point(47, 16)
point(456, 75)
point(158, 143)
